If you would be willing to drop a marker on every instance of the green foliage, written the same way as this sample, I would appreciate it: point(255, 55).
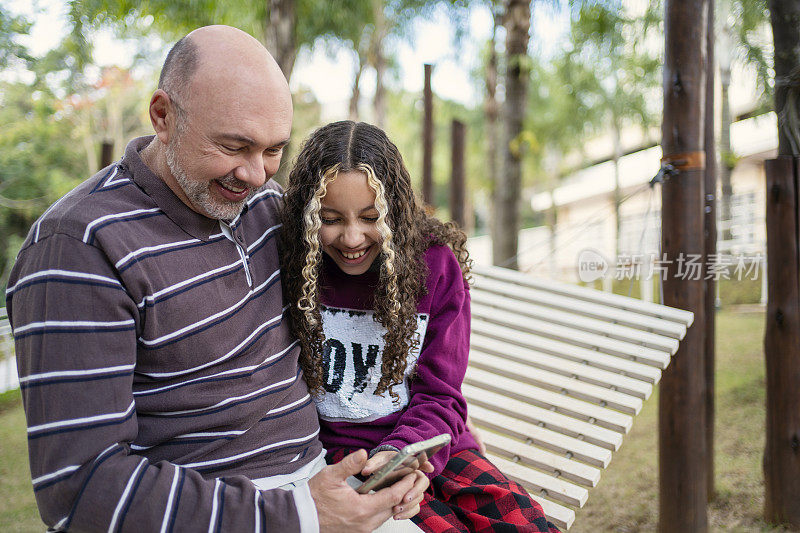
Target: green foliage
point(38, 161)
point(612, 66)
point(10, 27)
point(748, 25)
point(168, 18)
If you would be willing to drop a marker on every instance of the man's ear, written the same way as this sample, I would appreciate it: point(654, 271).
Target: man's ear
point(160, 110)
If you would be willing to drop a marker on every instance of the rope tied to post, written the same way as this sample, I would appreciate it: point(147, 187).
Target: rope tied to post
point(674, 164)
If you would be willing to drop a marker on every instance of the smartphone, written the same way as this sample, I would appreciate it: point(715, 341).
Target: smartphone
point(400, 465)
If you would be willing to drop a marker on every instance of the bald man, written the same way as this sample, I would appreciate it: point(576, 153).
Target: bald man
point(160, 382)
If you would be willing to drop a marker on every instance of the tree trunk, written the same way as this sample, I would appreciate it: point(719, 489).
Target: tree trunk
point(782, 340)
point(710, 235)
point(379, 55)
point(682, 403)
point(356, 94)
point(552, 165)
point(509, 184)
point(785, 19)
point(458, 210)
point(727, 155)
point(427, 138)
point(491, 114)
point(279, 34)
point(106, 153)
point(617, 190)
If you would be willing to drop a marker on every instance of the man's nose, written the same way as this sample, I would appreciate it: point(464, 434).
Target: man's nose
point(253, 171)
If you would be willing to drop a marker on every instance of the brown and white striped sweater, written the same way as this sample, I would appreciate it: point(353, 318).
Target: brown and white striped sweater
point(156, 369)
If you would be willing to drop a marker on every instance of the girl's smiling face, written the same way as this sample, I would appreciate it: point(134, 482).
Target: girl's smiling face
point(349, 232)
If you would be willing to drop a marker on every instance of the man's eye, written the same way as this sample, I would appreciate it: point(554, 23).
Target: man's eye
point(233, 149)
point(275, 151)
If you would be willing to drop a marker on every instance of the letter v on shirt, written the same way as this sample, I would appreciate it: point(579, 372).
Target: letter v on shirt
point(352, 366)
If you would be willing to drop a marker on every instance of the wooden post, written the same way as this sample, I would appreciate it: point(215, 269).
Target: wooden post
point(106, 154)
point(782, 345)
point(457, 182)
point(782, 338)
point(682, 404)
point(710, 247)
point(427, 139)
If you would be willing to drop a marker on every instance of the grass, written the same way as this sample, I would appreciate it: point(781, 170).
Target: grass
point(18, 511)
point(625, 501)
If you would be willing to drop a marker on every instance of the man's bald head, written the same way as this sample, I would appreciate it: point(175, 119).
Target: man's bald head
point(212, 49)
point(179, 67)
point(222, 115)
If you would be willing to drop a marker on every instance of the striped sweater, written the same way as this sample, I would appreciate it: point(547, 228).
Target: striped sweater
point(157, 373)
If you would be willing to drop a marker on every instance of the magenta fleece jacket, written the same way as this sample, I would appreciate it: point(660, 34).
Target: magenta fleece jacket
point(431, 402)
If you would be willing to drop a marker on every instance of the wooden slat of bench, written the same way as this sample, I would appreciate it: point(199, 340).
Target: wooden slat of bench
point(5, 327)
point(603, 396)
point(587, 294)
point(602, 416)
point(591, 325)
point(562, 517)
point(556, 488)
point(600, 436)
point(542, 437)
point(581, 307)
point(570, 335)
point(557, 465)
point(589, 374)
point(567, 351)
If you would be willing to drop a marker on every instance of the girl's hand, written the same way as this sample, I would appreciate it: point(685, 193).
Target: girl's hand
point(409, 506)
point(377, 461)
point(476, 435)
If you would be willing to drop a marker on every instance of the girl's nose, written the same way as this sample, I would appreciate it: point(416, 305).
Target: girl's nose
point(353, 236)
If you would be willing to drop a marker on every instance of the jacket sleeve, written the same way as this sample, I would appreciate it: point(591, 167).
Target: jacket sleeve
point(75, 330)
point(436, 404)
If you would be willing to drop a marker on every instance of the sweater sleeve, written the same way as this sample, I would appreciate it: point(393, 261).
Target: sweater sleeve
point(436, 404)
point(75, 330)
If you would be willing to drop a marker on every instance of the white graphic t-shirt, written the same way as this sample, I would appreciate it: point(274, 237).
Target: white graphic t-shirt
point(352, 366)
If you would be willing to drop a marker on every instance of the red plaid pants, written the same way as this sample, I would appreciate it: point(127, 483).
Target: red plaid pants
point(472, 495)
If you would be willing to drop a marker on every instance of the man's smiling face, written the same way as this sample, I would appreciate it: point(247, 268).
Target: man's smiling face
point(230, 125)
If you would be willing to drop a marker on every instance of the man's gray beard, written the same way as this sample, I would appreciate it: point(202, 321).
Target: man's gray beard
point(199, 192)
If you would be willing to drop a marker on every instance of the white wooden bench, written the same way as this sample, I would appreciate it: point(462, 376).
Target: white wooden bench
point(8, 367)
point(556, 374)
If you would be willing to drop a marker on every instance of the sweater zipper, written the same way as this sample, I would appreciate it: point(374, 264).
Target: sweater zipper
point(226, 229)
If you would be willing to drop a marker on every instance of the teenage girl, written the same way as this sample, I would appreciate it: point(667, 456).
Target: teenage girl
point(381, 310)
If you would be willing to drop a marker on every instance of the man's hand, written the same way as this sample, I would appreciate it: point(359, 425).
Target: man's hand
point(342, 509)
point(410, 504)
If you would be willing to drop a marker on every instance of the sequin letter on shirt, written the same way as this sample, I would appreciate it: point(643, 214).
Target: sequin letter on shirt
point(352, 366)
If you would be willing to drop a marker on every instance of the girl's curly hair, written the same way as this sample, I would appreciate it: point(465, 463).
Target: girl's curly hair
point(407, 231)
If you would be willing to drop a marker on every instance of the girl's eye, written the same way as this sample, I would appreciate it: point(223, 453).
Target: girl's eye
point(329, 221)
point(370, 219)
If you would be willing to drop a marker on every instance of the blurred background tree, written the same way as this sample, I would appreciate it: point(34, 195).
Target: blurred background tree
point(59, 108)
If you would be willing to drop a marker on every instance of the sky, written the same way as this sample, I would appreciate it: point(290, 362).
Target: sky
point(432, 42)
